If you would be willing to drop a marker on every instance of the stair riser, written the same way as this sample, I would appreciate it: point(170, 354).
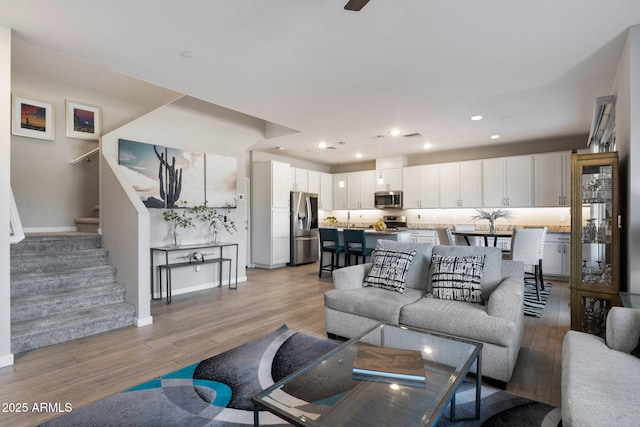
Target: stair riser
point(30, 245)
point(28, 310)
point(51, 263)
point(81, 329)
point(23, 285)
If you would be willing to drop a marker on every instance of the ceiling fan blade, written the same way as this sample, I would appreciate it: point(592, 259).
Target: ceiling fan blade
point(355, 5)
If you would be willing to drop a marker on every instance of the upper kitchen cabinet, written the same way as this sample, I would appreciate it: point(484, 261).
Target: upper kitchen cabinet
point(460, 184)
point(340, 191)
point(313, 182)
point(420, 186)
point(360, 190)
point(507, 182)
point(325, 198)
point(298, 179)
point(552, 179)
point(388, 179)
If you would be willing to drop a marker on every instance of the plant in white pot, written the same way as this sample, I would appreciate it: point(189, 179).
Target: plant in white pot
point(491, 215)
point(214, 220)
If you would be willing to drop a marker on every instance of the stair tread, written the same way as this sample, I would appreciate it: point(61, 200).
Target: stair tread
point(70, 272)
point(61, 254)
point(52, 297)
point(36, 326)
point(87, 220)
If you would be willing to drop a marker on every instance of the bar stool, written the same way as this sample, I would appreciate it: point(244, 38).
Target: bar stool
point(355, 244)
point(527, 246)
point(329, 242)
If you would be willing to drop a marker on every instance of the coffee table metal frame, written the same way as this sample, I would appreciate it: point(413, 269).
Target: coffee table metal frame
point(261, 400)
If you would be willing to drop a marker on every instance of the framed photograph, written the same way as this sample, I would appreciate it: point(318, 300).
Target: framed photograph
point(83, 121)
point(32, 118)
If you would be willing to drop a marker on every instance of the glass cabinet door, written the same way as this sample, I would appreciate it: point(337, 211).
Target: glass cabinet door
point(594, 216)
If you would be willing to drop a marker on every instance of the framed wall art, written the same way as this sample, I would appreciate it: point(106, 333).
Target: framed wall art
point(32, 118)
point(83, 121)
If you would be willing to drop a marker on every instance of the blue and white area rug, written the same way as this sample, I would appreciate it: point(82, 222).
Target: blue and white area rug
point(533, 307)
point(217, 391)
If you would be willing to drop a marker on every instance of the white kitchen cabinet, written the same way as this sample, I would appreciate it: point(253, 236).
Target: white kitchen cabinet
point(424, 236)
point(391, 179)
point(360, 190)
point(313, 182)
point(340, 191)
point(552, 179)
point(325, 197)
point(420, 186)
point(298, 179)
point(270, 214)
point(556, 260)
point(507, 182)
point(460, 184)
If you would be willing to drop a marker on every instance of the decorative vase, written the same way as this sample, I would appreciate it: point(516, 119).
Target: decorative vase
point(492, 226)
point(175, 239)
point(214, 236)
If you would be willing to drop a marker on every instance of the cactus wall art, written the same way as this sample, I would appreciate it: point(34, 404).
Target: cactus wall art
point(173, 178)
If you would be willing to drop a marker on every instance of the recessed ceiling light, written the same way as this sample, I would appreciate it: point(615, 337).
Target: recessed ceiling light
point(322, 145)
point(358, 155)
point(476, 118)
point(186, 54)
point(280, 148)
point(394, 132)
point(427, 146)
point(496, 136)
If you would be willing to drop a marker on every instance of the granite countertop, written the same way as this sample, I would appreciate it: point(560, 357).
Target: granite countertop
point(480, 227)
point(374, 231)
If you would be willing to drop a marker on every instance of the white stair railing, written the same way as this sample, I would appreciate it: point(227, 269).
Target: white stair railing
point(85, 156)
point(17, 234)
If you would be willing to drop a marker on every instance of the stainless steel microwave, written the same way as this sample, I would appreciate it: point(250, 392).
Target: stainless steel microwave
point(388, 199)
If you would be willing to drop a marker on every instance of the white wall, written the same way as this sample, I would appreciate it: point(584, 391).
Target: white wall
point(50, 192)
point(191, 124)
point(627, 90)
point(6, 357)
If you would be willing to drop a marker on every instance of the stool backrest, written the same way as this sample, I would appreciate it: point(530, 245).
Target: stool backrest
point(527, 245)
point(354, 239)
point(330, 236)
point(445, 236)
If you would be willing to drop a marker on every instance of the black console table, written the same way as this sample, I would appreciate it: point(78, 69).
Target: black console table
point(208, 259)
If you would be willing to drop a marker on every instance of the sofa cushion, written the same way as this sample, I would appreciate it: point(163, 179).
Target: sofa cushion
point(457, 277)
point(636, 351)
point(374, 303)
point(418, 273)
point(492, 272)
point(389, 270)
point(461, 319)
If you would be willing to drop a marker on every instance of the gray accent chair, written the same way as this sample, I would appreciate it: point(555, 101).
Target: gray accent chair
point(351, 309)
point(600, 378)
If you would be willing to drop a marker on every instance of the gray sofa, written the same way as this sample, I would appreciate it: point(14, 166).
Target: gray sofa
point(351, 309)
point(600, 379)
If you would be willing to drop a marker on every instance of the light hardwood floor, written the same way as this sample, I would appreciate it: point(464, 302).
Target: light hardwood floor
point(201, 324)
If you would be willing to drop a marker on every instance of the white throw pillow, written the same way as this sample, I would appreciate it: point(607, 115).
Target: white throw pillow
point(457, 277)
point(389, 270)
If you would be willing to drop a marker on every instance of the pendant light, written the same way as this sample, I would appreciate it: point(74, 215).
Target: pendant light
point(380, 179)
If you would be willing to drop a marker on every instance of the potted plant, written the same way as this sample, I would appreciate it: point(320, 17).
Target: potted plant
point(214, 220)
point(491, 215)
point(332, 220)
point(177, 220)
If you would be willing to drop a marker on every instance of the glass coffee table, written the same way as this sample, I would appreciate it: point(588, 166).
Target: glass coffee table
point(328, 393)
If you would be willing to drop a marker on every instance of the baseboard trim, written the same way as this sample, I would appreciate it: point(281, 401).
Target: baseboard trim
point(49, 229)
point(145, 321)
point(6, 360)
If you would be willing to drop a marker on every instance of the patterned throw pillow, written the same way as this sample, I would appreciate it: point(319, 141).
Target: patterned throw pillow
point(457, 277)
point(389, 269)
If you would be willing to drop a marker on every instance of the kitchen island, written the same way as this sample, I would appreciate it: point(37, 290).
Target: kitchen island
point(372, 236)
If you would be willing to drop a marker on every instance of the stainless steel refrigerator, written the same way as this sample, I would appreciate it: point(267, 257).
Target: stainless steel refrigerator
point(304, 228)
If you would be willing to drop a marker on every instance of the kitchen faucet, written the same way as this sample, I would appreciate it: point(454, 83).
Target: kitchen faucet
point(348, 218)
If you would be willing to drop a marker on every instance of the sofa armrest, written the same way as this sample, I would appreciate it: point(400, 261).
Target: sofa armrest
point(623, 328)
point(507, 300)
point(350, 277)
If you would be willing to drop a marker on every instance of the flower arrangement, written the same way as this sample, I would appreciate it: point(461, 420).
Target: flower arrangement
point(332, 220)
point(178, 220)
point(214, 219)
point(491, 215)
